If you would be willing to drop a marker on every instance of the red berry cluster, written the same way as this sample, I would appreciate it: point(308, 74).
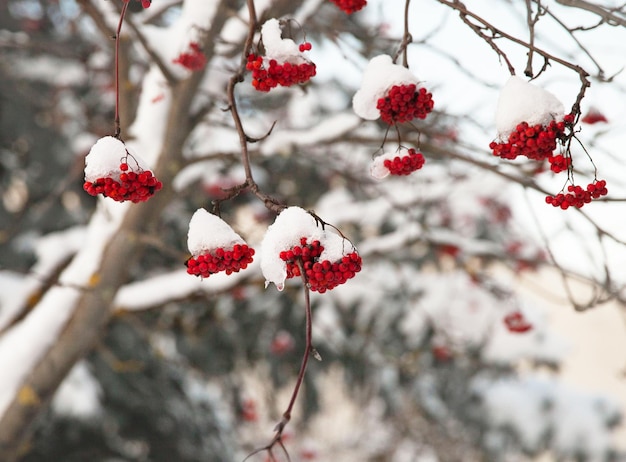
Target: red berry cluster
point(350, 6)
point(132, 186)
point(559, 163)
point(404, 103)
point(593, 117)
point(324, 275)
point(405, 165)
point(219, 259)
point(193, 60)
point(517, 323)
point(536, 142)
point(577, 196)
point(283, 74)
point(306, 46)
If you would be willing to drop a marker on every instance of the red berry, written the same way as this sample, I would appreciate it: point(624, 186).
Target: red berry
point(321, 275)
point(194, 60)
point(593, 117)
point(536, 143)
point(516, 323)
point(350, 6)
point(404, 103)
point(283, 74)
point(405, 165)
point(219, 259)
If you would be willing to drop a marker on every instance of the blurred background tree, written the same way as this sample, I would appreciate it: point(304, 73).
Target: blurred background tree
point(111, 352)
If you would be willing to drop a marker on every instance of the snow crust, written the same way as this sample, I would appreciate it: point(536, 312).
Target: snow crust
point(520, 101)
point(335, 246)
point(105, 156)
point(208, 232)
point(380, 75)
point(276, 47)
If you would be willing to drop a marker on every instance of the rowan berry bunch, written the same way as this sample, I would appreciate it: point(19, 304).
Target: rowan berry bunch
point(576, 196)
point(404, 103)
point(536, 142)
point(350, 6)
point(405, 165)
point(517, 323)
point(130, 186)
point(593, 117)
point(321, 275)
point(194, 59)
point(284, 74)
point(218, 260)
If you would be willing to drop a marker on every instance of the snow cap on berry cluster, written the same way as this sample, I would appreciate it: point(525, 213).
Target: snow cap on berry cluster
point(281, 49)
point(380, 75)
point(105, 156)
point(290, 226)
point(208, 232)
point(521, 101)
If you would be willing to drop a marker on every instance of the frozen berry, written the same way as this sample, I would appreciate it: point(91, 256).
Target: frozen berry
point(320, 275)
point(127, 187)
point(350, 6)
point(405, 165)
point(403, 103)
point(266, 76)
point(536, 142)
point(219, 259)
point(576, 196)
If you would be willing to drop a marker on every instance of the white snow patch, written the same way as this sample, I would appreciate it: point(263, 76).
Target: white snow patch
point(521, 101)
point(79, 394)
point(175, 285)
point(276, 47)
point(380, 75)
point(329, 129)
point(105, 157)
point(208, 232)
point(50, 252)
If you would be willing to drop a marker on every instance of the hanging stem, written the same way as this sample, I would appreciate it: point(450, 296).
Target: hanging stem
point(308, 351)
point(116, 121)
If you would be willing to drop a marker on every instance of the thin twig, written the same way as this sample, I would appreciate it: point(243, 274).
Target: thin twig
point(269, 202)
point(496, 33)
point(407, 38)
point(308, 351)
point(531, 21)
point(116, 120)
